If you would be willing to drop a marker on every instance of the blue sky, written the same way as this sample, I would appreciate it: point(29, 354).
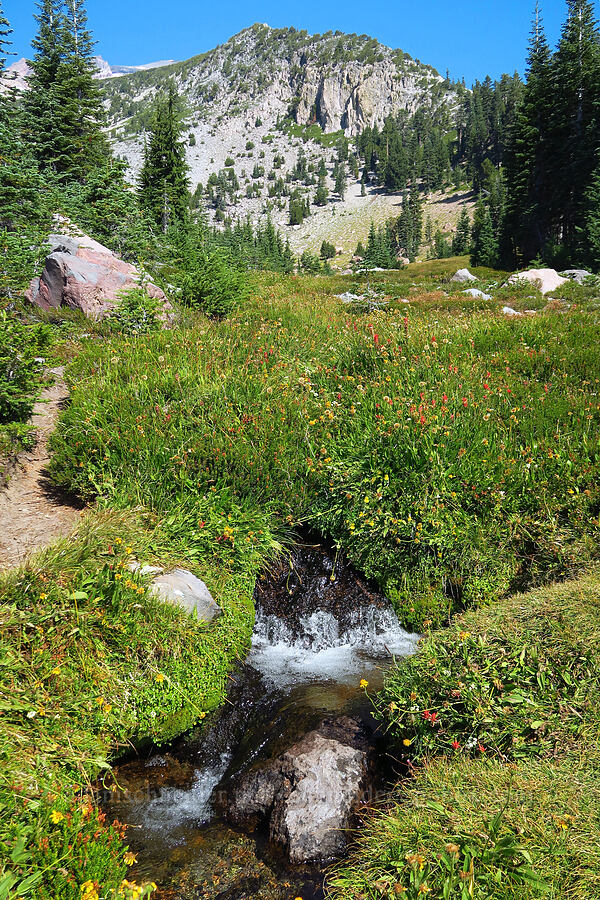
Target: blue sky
point(472, 38)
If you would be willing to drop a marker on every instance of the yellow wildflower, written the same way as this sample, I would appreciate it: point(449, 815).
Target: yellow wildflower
point(129, 858)
point(364, 683)
point(159, 677)
point(56, 816)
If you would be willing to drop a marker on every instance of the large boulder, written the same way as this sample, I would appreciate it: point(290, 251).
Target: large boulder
point(577, 275)
point(182, 588)
point(547, 280)
point(82, 274)
point(308, 795)
point(463, 276)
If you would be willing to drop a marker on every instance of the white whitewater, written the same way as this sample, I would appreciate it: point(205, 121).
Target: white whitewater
point(321, 650)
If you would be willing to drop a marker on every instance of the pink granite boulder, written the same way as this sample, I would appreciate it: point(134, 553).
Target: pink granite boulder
point(82, 274)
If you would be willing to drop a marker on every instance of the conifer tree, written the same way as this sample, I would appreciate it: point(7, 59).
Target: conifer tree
point(163, 184)
point(526, 229)
point(82, 145)
point(41, 100)
point(340, 181)
point(322, 193)
point(460, 244)
point(484, 243)
point(575, 122)
point(21, 196)
point(591, 228)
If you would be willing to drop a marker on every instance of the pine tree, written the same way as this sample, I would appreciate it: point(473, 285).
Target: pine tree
point(591, 228)
point(41, 100)
point(575, 116)
point(82, 145)
point(484, 243)
point(163, 185)
point(527, 225)
point(322, 193)
point(460, 244)
point(21, 194)
point(340, 181)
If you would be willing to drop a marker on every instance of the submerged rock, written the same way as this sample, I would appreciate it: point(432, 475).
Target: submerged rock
point(309, 794)
point(182, 588)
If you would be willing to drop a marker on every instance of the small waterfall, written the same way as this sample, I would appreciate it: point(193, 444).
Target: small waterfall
point(332, 629)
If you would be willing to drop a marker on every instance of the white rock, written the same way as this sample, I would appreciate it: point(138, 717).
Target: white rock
point(463, 275)
point(509, 311)
point(473, 292)
point(182, 588)
point(547, 279)
point(577, 275)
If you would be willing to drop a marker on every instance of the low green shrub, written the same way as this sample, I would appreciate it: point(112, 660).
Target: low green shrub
point(213, 286)
point(136, 313)
point(21, 349)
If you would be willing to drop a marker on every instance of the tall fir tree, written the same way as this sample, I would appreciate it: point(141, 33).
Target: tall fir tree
point(163, 180)
point(460, 243)
point(575, 123)
point(41, 100)
point(82, 145)
point(526, 227)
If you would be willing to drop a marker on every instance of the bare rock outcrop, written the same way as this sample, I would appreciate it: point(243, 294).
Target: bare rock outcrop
point(80, 273)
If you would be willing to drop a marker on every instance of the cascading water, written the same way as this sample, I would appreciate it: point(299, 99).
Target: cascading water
point(320, 628)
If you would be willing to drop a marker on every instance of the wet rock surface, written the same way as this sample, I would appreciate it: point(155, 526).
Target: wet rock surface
point(308, 795)
point(310, 581)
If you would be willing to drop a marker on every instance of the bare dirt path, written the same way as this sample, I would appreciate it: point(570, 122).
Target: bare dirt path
point(32, 513)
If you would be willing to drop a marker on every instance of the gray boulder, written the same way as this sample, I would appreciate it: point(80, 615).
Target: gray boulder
point(509, 311)
point(478, 295)
point(578, 275)
point(308, 795)
point(182, 588)
point(463, 276)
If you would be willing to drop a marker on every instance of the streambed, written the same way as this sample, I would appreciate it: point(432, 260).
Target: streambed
point(320, 628)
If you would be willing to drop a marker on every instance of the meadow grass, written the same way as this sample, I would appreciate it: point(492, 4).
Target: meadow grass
point(91, 666)
point(469, 823)
point(451, 451)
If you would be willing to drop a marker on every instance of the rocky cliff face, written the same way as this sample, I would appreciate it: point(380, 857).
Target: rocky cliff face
point(342, 82)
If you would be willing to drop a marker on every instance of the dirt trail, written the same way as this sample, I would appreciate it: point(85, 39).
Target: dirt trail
point(32, 513)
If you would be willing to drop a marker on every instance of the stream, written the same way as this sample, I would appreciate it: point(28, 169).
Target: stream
point(320, 628)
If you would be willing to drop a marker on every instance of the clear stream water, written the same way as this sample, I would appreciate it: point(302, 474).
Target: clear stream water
point(315, 637)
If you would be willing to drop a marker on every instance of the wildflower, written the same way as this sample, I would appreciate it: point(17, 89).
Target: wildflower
point(452, 849)
point(463, 635)
point(88, 891)
point(364, 683)
point(455, 745)
point(56, 816)
point(56, 671)
point(128, 549)
point(43, 596)
point(407, 742)
point(119, 541)
point(413, 695)
point(129, 858)
point(481, 748)
point(424, 888)
point(159, 677)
